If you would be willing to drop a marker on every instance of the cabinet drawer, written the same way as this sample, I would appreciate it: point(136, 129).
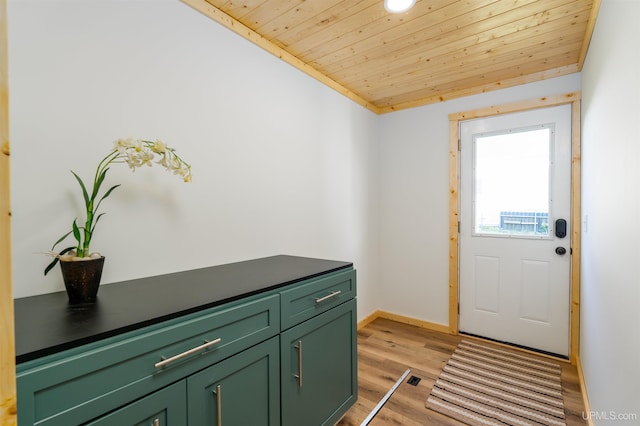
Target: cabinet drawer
point(164, 407)
point(308, 300)
point(77, 386)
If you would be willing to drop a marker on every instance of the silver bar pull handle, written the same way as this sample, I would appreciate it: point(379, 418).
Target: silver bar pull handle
point(156, 422)
point(328, 296)
point(202, 347)
point(217, 395)
point(299, 375)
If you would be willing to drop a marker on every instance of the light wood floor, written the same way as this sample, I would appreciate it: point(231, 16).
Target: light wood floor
point(386, 349)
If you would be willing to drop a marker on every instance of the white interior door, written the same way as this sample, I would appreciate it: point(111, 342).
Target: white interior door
point(515, 187)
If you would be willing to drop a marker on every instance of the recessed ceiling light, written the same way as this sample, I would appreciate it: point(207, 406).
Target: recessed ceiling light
point(398, 6)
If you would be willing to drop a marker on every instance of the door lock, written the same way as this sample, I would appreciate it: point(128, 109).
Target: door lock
point(561, 250)
point(561, 228)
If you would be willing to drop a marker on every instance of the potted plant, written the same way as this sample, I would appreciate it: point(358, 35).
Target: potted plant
point(81, 268)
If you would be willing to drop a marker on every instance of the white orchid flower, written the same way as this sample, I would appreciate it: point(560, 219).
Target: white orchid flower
point(159, 147)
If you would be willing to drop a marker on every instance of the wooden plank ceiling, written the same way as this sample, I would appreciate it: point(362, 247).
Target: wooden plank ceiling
point(438, 50)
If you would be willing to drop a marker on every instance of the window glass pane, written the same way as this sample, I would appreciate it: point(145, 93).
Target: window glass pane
point(511, 182)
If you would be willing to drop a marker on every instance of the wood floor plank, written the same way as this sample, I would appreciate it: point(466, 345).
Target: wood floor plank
point(386, 349)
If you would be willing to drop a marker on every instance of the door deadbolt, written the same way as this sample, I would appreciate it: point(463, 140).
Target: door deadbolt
point(561, 228)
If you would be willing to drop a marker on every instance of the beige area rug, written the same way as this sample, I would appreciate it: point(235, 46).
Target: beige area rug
point(484, 384)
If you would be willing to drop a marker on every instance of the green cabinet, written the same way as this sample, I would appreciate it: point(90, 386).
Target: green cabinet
point(319, 370)
point(282, 355)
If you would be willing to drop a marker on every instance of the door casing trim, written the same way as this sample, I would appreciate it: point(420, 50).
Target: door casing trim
point(572, 98)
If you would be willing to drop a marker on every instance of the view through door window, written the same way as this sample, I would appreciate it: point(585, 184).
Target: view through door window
point(511, 182)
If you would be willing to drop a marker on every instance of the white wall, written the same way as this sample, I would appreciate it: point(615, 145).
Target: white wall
point(281, 163)
point(610, 323)
point(414, 199)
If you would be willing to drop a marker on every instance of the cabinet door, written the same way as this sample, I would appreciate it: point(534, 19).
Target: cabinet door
point(319, 368)
point(166, 407)
point(242, 390)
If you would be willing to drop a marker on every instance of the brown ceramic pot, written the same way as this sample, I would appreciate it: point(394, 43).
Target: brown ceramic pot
point(82, 279)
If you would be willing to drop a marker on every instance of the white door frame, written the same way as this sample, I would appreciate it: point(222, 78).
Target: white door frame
point(572, 98)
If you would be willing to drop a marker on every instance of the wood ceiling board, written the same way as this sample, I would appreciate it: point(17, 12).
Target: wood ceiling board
point(399, 92)
point(438, 42)
point(396, 35)
point(459, 93)
point(455, 67)
point(310, 23)
point(476, 54)
point(444, 59)
point(438, 50)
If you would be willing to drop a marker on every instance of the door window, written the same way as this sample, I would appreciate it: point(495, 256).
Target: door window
point(511, 181)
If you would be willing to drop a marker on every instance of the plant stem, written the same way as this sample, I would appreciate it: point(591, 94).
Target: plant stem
point(83, 249)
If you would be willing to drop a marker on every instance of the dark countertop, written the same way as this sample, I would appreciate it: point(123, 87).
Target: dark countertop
point(47, 324)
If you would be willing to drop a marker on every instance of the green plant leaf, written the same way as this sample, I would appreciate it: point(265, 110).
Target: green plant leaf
point(56, 260)
point(106, 194)
point(76, 233)
point(98, 183)
point(61, 239)
point(96, 221)
point(51, 265)
point(84, 190)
